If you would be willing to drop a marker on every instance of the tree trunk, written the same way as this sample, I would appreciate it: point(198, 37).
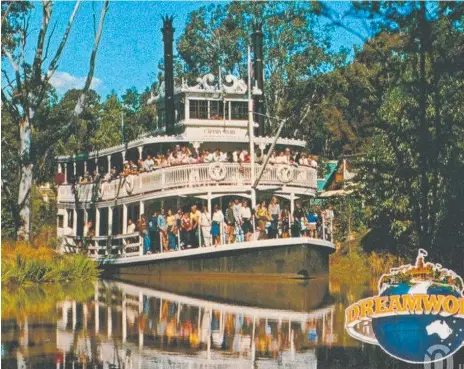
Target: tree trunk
point(25, 184)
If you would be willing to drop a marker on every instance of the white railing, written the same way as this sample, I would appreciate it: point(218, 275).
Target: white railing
point(184, 176)
point(129, 245)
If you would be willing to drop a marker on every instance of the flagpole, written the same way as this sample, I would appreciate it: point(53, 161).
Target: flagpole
point(251, 132)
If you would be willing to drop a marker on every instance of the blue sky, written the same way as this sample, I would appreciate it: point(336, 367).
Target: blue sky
point(131, 45)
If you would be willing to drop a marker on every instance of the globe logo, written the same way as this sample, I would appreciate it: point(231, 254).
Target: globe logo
point(418, 309)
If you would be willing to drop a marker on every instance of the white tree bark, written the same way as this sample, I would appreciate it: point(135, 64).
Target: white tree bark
point(29, 93)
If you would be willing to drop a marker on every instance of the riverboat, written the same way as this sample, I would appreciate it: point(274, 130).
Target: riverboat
point(225, 113)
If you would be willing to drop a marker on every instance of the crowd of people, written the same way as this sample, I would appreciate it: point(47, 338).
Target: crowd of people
point(167, 231)
point(182, 155)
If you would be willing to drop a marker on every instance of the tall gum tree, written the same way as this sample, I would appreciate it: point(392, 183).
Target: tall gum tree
point(27, 85)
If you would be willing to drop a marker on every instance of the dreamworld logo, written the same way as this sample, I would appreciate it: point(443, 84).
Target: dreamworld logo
point(417, 316)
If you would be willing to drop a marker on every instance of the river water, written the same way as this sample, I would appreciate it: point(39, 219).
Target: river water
point(186, 324)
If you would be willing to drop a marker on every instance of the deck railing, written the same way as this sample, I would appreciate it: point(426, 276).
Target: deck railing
point(130, 245)
point(184, 176)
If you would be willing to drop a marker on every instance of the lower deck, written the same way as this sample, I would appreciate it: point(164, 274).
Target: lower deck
point(298, 257)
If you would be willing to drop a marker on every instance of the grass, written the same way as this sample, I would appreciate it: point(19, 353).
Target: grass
point(23, 264)
point(350, 261)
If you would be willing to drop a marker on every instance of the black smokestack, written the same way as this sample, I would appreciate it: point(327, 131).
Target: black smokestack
point(258, 56)
point(168, 38)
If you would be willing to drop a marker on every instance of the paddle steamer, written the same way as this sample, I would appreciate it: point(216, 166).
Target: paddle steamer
point(224, 112)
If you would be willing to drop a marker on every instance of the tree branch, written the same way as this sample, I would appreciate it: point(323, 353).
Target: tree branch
point(37, 64)
point(54, 63)
point(81, 100)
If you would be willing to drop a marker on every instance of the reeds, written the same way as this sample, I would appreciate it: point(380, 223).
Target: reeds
point(23, 264)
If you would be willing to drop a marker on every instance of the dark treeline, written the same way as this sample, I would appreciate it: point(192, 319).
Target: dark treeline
point(397, 101)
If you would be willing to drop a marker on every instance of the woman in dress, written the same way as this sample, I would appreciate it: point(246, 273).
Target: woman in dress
point(218, 219)
point(205, 225)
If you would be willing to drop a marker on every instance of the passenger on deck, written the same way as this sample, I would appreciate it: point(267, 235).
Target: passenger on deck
point(230, 222)
point(217, 221)
point(195, 232)
point(298, 220)
point(172, 232)
point(186, 231)
point(245, 215)
point(163, 230)
point(205, 225)
point(274, 213)
point(153, 229)
point(130, 226)
point(148, 164)
point(238, 221)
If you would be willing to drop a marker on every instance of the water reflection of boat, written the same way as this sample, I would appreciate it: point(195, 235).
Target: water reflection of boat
point(296, 295)
point(134, 327)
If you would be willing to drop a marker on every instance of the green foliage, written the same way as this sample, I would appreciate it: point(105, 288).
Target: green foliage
point(417, 148)
point(296, 51)
point(23, 270)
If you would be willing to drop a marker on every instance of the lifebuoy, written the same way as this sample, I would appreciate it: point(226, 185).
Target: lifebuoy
point(217, 171)
point(285, 173)
point(129, 184)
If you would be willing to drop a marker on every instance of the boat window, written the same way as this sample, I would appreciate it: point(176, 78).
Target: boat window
point(199, 109)
point(239, 110)
point(179, 106)
point(60, 221)
point(70, 218)
point(216, 109)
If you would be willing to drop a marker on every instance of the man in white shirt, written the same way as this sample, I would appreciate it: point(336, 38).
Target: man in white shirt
point(216, 156)
point(130, 226)
point(236, 156)
point(238, 221)
point(148, 164)
point(207, 156)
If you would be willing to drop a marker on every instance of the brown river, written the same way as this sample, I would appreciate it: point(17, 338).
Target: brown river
point(142, 323)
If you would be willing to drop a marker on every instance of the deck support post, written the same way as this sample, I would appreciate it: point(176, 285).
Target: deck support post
point(85, 166)
point(124, 218)
point(74, 222)
point(97, 230)
point(74, 315)
point(75, 169)
point(65, 173)
point(60, 170)
point(97, 310)
point(124, 318)
point(96, 166)
point(108, 157)
point(140, 148)
point(141, 208)
point(109, 321)
point(140, 317)
point(253, 199)
point(97, 222)
point(292, 208)
point(123, 153)
point(209, 202)
point(110, 220)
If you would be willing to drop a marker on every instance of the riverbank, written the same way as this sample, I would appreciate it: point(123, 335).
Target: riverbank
point(351, 262)
point(23, 265)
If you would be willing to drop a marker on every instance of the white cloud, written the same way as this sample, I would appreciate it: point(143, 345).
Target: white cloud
point(64, 81)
